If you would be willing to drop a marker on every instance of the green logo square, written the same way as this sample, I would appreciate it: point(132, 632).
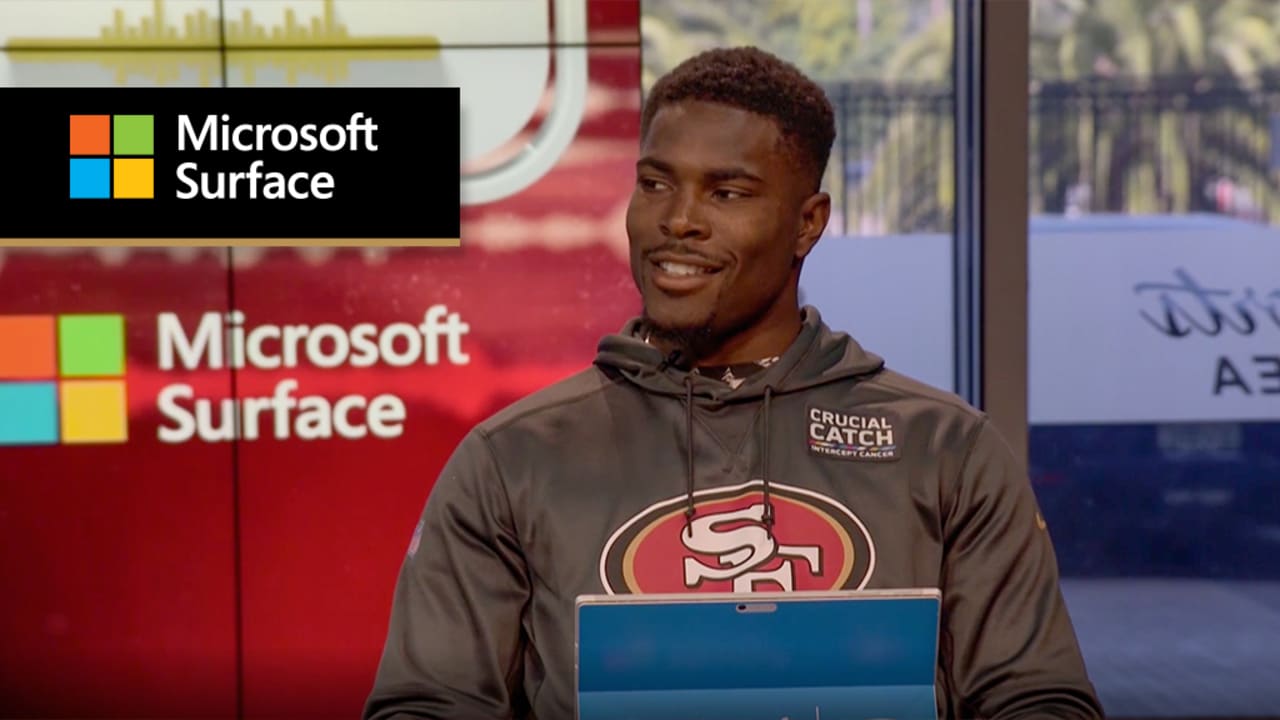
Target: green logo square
point(133, 134)
point(90, 345)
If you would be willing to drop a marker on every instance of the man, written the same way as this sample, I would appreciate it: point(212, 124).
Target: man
point(725, 402)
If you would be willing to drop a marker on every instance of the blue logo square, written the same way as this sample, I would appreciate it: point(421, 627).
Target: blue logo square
point(90, 178)
point(28, 413)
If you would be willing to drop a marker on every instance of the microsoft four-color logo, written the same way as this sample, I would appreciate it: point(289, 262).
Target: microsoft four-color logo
point(112, 156)
point(62, 379)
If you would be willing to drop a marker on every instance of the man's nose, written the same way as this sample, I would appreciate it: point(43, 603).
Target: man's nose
point(684, 218)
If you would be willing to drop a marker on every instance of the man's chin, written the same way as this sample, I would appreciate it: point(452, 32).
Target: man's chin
point(690, 332)
point(677, 323)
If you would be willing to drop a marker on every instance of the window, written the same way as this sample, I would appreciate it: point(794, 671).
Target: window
point(1154, 331)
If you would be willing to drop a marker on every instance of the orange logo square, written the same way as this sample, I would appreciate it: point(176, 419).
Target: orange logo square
point(28, 347)
point(90, 134)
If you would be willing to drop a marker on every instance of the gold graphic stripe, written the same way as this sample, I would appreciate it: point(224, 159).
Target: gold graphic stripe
point(202, 30)
point(321, 46)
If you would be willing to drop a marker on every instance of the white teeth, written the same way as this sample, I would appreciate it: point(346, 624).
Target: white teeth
point(675, 268)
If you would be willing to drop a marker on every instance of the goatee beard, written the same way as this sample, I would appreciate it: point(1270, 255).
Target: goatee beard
point(693, 342)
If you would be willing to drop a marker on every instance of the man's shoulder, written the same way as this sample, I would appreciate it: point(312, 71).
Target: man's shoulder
point(920, 407)
point(895, 388)
point(562, 398)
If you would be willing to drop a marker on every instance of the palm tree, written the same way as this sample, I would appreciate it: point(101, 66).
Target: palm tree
point(891, 171)
point(1131, 106)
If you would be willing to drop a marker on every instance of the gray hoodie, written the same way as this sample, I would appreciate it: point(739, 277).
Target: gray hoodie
point(836, 472)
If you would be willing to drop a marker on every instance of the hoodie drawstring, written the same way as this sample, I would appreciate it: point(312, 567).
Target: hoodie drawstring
point(764, 461)
point(690, 511)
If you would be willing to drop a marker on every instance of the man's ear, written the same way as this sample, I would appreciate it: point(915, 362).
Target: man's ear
point(815, 211)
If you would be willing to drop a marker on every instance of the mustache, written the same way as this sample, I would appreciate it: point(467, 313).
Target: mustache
point(681, 248)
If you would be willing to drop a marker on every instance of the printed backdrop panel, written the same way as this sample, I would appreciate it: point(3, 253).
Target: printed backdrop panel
point(438, 339)
point(119, 547)
point(202, 529)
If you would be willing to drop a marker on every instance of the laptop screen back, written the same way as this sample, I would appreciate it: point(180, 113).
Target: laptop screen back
point(797, 659)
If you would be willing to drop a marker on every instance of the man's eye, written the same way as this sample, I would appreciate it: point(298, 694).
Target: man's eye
point(729, 194)
point(649, 184)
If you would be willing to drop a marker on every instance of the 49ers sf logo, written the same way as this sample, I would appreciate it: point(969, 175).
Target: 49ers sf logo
point(817, 544)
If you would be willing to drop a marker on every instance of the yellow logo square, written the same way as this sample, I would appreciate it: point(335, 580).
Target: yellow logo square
point(93, 411)
point(133, 178)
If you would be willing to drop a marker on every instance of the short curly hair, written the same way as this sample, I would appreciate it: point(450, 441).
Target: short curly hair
point(754, 80)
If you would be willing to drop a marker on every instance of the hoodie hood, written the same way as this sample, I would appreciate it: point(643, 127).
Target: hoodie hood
point(816, 357)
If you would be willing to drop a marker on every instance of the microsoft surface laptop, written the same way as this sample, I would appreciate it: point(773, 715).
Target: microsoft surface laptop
point(848, 655)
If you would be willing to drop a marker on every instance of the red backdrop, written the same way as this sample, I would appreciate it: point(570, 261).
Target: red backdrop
point(190, 579)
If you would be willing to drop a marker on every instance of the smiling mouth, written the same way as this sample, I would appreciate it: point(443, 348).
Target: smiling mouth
point(675, 278)
point(679, 269)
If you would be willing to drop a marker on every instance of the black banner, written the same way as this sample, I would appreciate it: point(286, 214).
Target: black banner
point(227, 164)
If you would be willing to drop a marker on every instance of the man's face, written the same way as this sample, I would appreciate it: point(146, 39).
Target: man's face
point(715, 221)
